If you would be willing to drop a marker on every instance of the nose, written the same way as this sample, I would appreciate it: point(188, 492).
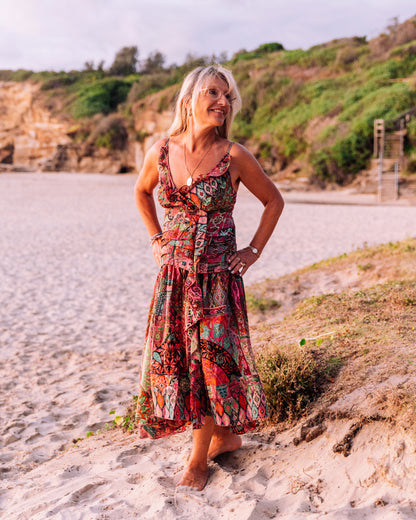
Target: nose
point(223, 100)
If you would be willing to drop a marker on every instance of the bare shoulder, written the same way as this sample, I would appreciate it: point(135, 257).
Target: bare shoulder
point(149, 173)
point(153, 153)
point(238, 150)
point(241, 156)
point(244, 163)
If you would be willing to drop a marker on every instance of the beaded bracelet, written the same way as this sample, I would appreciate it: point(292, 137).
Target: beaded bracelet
point(156, 236)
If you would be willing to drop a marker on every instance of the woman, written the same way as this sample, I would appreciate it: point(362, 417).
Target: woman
point(198, 365)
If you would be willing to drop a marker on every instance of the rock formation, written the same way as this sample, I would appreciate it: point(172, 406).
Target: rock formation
point(33, 138)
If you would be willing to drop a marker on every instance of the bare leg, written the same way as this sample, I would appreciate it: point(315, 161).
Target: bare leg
point(223, 440)
point(196, 473)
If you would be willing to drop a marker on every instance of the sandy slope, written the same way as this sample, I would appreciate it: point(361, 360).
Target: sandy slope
point(75, 282)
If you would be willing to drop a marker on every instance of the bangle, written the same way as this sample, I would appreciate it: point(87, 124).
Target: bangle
point(254, 250)
point(154, 237)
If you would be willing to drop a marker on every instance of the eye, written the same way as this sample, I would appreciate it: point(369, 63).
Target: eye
point(213, 92)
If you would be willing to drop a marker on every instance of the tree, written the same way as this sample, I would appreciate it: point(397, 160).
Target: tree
point(125, 62)
point(89, 66)
point(153, 63)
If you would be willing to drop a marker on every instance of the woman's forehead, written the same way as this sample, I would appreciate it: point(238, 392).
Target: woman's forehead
point(215, 81)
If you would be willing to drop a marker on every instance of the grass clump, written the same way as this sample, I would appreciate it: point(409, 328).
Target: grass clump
point(370, 329)
point(292, 379)
point(260, 303)
point(328, 345)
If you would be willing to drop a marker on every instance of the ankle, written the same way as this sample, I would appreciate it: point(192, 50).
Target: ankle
point(198, 464)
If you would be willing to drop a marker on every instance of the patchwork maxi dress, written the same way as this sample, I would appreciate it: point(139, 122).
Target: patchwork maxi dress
point(198, 359)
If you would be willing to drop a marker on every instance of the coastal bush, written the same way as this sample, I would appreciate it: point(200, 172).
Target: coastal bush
point(345, 158)
point(411, 133)
point(141, 135)
point(411, 166)
point(149, 84)
point(125, 62)
point(262, 303)
point(110, 133)
point(347, 56)
point(102, 96)
point(351, 331)
point(61, 80)
point(263, 49)
point(291, 381)
point(16, 75)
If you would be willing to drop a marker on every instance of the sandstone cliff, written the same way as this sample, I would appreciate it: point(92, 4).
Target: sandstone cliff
point(34, 138)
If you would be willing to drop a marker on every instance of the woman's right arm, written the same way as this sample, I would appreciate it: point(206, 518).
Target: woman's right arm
point(143, 191)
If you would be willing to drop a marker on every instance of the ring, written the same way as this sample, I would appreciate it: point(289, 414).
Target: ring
point(243, 264)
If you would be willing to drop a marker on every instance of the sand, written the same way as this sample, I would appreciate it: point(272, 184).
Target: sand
point(76, 276)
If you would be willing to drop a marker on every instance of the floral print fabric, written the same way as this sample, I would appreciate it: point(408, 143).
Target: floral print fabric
point(198, 359)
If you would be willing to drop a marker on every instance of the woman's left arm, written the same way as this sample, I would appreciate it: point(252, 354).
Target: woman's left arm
point(245, 168)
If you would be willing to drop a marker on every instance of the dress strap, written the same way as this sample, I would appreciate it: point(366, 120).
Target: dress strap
point(229, 147)
point(163, 163)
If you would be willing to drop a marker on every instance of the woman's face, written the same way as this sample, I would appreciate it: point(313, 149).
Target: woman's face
point(213, 103)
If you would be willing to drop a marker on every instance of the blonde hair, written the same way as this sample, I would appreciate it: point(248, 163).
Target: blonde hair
point(188, 95)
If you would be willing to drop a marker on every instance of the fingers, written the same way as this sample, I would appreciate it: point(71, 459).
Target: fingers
point(157, 252)
point(241, 261)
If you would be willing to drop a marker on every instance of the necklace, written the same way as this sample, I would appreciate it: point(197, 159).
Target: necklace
point(189, 180)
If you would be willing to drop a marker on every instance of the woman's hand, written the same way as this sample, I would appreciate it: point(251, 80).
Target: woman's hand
point(157, 250)
point(242, 260)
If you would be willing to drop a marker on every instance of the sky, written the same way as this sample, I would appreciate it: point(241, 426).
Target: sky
point(64, 34)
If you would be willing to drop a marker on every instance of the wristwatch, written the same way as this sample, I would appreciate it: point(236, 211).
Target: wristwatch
point(254, 250)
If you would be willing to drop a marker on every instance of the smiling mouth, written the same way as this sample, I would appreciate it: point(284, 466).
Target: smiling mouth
point(218, 111)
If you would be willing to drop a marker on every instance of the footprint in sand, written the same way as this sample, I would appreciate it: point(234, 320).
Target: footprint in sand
point(129, 458)
point(71, 472)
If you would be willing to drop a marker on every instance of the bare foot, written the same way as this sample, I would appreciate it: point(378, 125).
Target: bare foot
point(195, 477)
point(223, 441)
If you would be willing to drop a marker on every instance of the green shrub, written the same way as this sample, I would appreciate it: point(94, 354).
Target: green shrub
point(125, 62)
point(411, 166)
point(110, 133)
point(411, 134)
point(292, 379)
point(15, 75)
point(101, 97)
point(346, 158)
point(255, 303)
point(265, 48)
point(148, 84)
point(60, 80)
point(141, 135)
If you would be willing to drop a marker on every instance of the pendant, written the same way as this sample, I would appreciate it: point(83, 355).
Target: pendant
point(189, 181)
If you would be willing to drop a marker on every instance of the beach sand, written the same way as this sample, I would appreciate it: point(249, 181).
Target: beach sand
point(76, 277)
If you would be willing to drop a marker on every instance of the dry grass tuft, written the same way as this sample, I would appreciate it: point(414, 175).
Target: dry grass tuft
point(352, 349)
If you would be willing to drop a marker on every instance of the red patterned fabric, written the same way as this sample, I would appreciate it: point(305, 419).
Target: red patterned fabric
point(198, 359)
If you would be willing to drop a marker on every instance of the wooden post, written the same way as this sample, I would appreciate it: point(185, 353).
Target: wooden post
point(401, 159)
point(378, 136)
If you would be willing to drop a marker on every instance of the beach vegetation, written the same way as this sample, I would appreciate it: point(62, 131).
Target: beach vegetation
point(261, 303)
point(328, 345)
point(125, 62)
point(127, 420)
point(110, 133)
point(98, 97)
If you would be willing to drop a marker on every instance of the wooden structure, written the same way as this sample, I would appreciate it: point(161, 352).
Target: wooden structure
point(388, 149)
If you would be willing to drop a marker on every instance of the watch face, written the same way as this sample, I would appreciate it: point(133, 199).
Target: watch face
point(255, 250)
